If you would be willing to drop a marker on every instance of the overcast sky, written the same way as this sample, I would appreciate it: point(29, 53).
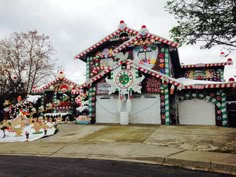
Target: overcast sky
point(75, 25)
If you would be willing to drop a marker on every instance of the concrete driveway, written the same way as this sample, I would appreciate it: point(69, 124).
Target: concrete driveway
point(200, 138)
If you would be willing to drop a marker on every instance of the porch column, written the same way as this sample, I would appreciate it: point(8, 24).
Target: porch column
point(224, 110)
point(165, 104)
point(166, 89)
point(92, 103)
point(88, 68)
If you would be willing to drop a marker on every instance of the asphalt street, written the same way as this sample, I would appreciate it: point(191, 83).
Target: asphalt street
point(27, 166)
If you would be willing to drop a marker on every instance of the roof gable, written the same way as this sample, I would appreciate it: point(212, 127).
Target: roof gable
point(144, 33)
point(60, 78)
point(121, 28)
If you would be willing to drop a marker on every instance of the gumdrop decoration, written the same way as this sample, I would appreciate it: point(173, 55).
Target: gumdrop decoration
point(143, 30)
point(122, 25)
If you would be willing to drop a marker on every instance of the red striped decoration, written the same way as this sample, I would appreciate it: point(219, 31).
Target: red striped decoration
point(127, 43)
point(148, 35)
point(104, 40)
point(38, 90)
point(229, 62)
point(209, 86)
point(161, 76)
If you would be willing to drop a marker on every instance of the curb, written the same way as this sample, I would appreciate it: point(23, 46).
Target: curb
point(166, 161)
point(199, 165)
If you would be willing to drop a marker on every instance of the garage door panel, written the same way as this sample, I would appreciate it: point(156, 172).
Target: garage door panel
point(146, 110)
point(196, 112)
point(106, 110)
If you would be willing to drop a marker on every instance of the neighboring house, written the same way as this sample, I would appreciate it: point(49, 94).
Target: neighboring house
point(139, 75)
point(58, 96)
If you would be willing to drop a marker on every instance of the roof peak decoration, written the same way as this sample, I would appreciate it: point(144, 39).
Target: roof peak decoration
point(61, 74)
point(122, 25)
point(231, 79)
point(143, 31)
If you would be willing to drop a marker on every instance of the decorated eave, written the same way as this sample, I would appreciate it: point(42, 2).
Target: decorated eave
point(93, 79)
point(207, 65)
point(211, 86)
point(121, 28)
point(164, 78)
point(60, 78)
point(143, 33)
point(153, 73)
point(201, 84)
point(160, 76)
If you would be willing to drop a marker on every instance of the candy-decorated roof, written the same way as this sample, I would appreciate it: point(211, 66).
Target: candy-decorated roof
point(136, 36)
point(121, 29)
point(202, 84)
point(151, 72)
point(144, 33)
point(61, 77)
point(180, 83)
point(207, 65)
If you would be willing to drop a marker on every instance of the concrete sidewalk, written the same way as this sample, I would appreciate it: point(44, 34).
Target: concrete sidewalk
point(98, 148)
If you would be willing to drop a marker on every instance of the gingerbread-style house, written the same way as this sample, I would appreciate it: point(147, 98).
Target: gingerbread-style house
point(136, 77)
point(58, 97)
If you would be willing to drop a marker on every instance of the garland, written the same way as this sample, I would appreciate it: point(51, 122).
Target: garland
point(219, 99)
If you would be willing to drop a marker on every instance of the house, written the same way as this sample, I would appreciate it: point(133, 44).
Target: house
point(58, 97)
point(136, 77)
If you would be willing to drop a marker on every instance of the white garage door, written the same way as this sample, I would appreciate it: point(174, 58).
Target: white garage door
point(146, 110)
point(106, 110)
point(196, 112)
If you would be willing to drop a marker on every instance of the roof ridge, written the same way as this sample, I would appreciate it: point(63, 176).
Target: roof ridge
point(148, 35)
point(39, 89)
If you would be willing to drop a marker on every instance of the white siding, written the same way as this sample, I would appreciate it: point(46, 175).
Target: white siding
point(196, 112)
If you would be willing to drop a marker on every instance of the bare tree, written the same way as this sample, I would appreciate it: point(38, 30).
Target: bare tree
point(27, 58)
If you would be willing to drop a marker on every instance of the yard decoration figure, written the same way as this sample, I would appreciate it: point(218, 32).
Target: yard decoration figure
point(7, 105)
point(3, 128)
point(45, 131)
point(172, 89)
point(19, 99)
point(27, 136)
point(37, 127)
point(17, 127)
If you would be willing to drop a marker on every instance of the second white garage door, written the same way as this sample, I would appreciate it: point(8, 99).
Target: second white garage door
point(146, 110)
point(196, 112)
